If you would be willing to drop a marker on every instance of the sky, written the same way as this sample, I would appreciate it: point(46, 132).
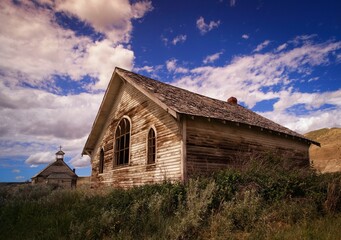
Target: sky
point(281, 59)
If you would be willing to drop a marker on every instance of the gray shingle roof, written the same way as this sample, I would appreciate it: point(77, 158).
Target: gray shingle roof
point(58, 166)
point(189, 103)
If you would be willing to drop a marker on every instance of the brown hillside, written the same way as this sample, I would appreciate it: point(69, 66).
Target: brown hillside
point(326, 158)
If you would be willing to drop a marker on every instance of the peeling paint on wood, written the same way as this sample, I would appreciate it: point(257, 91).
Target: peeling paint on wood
point(143, 113)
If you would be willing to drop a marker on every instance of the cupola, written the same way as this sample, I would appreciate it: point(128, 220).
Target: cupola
point(60, 154)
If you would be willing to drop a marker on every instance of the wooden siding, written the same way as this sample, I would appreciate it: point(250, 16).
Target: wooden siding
point(213, 145)
point(144, 114)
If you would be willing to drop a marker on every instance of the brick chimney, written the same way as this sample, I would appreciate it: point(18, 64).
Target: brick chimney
point(232, 100)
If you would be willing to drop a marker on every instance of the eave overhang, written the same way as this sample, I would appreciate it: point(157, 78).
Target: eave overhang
point(105, 108)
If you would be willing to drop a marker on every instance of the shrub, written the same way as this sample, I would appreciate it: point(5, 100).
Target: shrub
point(257, 202)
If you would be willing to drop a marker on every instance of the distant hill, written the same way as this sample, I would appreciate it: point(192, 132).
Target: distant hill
point(326, 158)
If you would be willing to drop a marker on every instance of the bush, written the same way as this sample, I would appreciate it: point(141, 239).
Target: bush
point(263, 200)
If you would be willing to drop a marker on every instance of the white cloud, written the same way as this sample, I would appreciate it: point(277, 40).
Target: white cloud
point(33, 111)
point(246, 77)
point(112, 18)
point(34, 58)
point(245, 36)
point(262, 46)
point(172, 66)
point(79, 161)
point(307, 122)
point(146, 68)
point(179, 39)
point(36, 48)
point(19, 177)
point(281, 47)
point(16, 171)
point(102, 58)
point(206, 27)
point(212, 58)
point(33, 120)
point(41, 158)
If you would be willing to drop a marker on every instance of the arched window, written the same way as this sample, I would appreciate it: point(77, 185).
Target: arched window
point(122, 142)
point(151, 146)
point(101, 161)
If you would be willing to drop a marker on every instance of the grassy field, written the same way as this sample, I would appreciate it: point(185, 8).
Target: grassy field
point(264, 201)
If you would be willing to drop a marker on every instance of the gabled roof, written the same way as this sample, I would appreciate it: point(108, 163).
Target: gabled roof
point(58, 166)
point(178, 101)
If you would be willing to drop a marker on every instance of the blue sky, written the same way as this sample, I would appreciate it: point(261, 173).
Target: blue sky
point(281, 59)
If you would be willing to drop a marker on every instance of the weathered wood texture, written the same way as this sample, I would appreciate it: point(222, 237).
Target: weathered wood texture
point(143, 114)
point(213, 145)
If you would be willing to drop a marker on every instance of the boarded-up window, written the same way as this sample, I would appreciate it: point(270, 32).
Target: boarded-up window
point(101, 161)
point(151, 146)
point(122, 142)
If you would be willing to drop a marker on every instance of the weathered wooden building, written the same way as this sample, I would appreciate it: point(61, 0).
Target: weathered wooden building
point(57, 173)
point(147, 131)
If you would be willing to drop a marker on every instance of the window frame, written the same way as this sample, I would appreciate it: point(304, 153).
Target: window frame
point(148, 147)
point(101, 161)
point(122, 139)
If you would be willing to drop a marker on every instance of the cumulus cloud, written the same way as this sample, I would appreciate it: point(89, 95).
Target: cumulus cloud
point(212, 58)
point(206, 27)
point(247, 76)
point(308, 122)
point(35, 121)
point(112, 18)
point(172, 66)
point(38, 52)
point(102, 58)
point(56, 52)
point(32, 56)
point(40, 158)
point(77, 161)
point(179, 39)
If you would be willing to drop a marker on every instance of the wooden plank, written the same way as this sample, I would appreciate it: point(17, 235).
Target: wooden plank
point(143, 114)
point(211, 145)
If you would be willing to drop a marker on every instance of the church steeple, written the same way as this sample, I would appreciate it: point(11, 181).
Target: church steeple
point(60, 154)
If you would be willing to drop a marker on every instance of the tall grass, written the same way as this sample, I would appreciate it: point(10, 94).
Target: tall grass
point(264, 200)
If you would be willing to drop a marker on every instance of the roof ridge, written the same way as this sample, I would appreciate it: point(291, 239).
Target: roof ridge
point(203, 105)
point(182, 89)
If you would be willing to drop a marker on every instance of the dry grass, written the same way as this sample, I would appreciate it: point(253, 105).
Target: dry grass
point(326, 158)
point(264, 201)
